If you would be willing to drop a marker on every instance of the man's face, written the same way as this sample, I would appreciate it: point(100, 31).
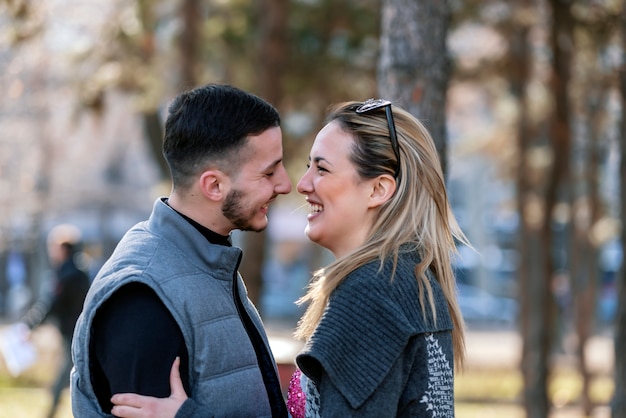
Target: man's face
point(257, 183)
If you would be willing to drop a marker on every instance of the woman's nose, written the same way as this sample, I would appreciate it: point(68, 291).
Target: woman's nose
point(304, 184)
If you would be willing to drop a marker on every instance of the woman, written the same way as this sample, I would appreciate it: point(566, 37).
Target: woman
point(383, 327)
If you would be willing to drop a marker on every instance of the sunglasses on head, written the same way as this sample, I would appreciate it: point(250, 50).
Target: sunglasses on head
point(373, 104)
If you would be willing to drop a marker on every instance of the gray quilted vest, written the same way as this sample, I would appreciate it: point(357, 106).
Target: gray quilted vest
point(195, 280)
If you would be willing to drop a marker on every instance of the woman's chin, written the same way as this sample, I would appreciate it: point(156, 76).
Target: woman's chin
point(311, 235)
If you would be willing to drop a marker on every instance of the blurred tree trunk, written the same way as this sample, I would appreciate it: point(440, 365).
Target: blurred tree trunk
point(190, 39)
point(413, 69)
point(618, 406)
point(519, 69)
point(152, 123)
point(188, 44)
point(537, 402)
point(153, 127)
point(584, 266)
point(586, 210)
point(272, 62)
point(36, 255)
point(533, 280)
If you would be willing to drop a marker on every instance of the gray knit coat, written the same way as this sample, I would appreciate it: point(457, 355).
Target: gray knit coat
point(374, 352)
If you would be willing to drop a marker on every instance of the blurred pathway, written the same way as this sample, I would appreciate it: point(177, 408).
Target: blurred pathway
point(498, 349)
point(492, 355)
point(502, 349)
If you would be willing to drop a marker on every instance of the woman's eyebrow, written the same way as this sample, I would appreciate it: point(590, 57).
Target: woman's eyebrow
point(318, 159)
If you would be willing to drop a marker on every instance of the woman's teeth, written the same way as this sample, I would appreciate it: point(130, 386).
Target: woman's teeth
point(316, 208)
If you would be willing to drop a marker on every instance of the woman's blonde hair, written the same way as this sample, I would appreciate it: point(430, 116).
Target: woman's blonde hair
point(418, 214)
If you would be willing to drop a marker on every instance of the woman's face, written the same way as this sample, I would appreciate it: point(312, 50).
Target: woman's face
point(340, 211)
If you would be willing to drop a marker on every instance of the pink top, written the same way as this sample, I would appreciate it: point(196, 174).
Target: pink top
point(296, 399)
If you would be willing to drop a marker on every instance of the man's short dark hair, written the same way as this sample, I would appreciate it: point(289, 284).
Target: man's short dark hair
point(208, 125)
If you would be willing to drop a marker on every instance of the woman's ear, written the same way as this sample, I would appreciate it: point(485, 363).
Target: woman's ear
point(212, 184)
point(383, 188)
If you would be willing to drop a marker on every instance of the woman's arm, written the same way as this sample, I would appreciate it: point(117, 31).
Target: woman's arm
point(421, 380)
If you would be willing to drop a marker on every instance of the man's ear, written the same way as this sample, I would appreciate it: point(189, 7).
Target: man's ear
point(383, 188)
point(212, 183)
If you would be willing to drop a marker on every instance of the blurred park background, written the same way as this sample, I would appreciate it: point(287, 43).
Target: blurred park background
point(525, 99)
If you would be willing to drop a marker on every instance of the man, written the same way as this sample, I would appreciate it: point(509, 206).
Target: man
point(63, 301)
point(171, 288)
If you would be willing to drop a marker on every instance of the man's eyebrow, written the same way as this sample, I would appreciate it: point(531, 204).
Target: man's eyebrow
point(274, 164)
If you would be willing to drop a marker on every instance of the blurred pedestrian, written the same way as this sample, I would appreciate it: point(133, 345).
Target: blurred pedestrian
point(383, 327)
point(62, 299)
point(171, 290)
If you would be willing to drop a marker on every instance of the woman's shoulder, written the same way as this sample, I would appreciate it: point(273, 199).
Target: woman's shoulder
point(397, 292)
point(392, 272)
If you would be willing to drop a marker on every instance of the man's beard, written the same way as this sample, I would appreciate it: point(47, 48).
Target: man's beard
point(237, 213)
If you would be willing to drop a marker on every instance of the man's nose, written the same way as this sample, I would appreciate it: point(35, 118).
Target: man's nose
point(284, 186)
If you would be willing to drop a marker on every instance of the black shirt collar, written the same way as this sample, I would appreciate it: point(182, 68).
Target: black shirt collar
point(212, 237)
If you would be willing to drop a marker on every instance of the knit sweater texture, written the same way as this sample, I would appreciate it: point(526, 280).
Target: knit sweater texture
point(375, 336)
